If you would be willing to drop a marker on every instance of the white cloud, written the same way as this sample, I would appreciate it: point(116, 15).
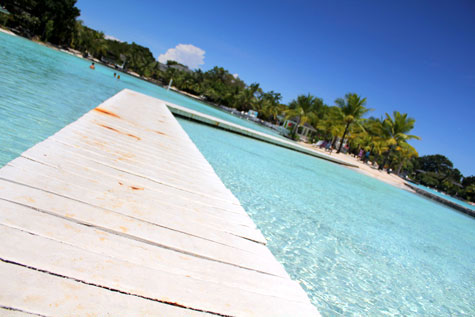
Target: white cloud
point(186, 54)
point(110, 37)
point(236, 76)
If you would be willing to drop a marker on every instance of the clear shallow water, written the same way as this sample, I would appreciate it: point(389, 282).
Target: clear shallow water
point(358, 246)
point(42, 90)
point(447, 197)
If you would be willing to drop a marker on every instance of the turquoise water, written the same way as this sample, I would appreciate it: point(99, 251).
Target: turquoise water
point(358, 246)
point(447, 197)
point(42, 90)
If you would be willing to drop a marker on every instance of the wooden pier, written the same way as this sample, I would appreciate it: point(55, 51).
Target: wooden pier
point(119, 214)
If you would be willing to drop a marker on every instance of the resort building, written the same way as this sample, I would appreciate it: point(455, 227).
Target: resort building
point(305, 131)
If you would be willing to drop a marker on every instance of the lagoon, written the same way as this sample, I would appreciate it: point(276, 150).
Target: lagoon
point(357, 245)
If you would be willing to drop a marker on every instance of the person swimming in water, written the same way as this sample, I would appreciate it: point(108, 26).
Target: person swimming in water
point(92, 66)
point(115, 74)
point(118, 76)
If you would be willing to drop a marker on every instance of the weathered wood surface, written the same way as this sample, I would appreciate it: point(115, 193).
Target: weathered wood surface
point(120, 214)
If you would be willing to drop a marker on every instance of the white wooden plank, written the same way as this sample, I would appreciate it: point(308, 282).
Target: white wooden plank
point(261, 260)
point(64, 154)
point(105, 141)
point(11, 312)
point(122, 199)
point(107, 272)
point(151, 195)
point(93, 126)
point(131, 199)
point(48, 295)
point(148, 171)
point(134, 206)
point(120, 247)
point(163, 135)
point(84, 167)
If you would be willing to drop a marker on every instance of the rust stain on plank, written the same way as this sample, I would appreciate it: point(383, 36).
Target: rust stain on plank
point(107, 112)
point(120, 132)
point(133, 136)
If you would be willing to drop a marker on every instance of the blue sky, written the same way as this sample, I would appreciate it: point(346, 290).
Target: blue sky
point(417, 57)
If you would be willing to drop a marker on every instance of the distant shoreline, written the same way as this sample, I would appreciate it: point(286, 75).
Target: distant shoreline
point(95, 60)
point(7, 31)
point(391, 179)
point(394, 180)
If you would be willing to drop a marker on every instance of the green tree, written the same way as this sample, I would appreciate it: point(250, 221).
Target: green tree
point(351, 109)
point(434, 163)
point(268, 105)
point(306, 108)
point(329, 125)
point(395, 131)
point(51, 20)
point(405, 152)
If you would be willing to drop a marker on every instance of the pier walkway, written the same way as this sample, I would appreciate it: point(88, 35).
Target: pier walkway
point(119, 214)
point(235, 128)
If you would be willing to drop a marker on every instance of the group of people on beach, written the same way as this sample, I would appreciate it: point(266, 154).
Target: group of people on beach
point(364, 155)
point(328, 146)
point(93, 66)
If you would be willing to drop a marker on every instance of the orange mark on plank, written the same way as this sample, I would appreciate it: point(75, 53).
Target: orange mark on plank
point(110, 128)
point(134, 136)
point(136, 188)
point(166, 301)
point(102, 238)
point(158, 132)
point(124, 229)
point(107, 112)
point(115, 130)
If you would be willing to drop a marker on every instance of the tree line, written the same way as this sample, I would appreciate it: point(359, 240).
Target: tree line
point(385, 139)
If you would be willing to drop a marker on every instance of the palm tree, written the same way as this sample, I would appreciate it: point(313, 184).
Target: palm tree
point(247, 97)
point(306, 108)
point(329, 124)
point(372, 134)
point(270, 112)
point(405, 151)
point(351, 109)
point(269, 105)
point(395, 132)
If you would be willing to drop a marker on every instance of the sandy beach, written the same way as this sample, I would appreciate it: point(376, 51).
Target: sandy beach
point(7, 31)
point(366, 169)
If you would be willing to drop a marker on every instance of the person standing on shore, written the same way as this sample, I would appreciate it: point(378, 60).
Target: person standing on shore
point(366, 157)
point(360, 154)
